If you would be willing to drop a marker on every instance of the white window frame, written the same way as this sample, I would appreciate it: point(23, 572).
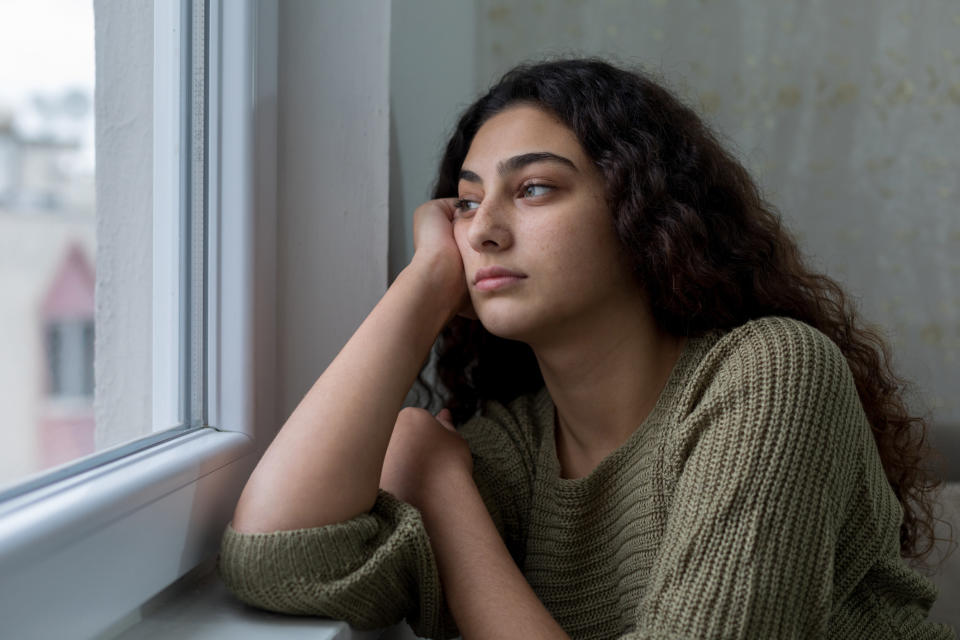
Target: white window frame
point(80, 554)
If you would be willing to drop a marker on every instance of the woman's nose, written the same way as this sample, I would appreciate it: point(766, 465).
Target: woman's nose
point(489, 229)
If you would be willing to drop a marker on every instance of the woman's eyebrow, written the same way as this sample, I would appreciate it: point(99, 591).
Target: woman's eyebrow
point(518, 162)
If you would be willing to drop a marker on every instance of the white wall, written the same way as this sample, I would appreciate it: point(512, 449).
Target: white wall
point(333, 168)
point(431, 81)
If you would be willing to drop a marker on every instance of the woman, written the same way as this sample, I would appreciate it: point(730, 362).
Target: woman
point(670, 427)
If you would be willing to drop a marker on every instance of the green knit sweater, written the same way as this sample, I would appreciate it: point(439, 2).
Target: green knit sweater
point(750, 503)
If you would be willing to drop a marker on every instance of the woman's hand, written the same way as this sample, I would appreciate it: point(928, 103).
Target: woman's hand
point(424, 454)
point(437, 255)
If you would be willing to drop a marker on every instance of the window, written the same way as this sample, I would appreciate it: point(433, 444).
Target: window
point(160, 363)
point(47, 236)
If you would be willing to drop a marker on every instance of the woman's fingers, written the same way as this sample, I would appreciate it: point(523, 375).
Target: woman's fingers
point(437, 255)
point(445, 418)
point(432, 220)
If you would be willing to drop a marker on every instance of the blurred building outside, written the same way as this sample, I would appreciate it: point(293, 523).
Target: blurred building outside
point(47, 281)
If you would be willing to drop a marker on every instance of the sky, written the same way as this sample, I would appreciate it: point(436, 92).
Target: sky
point(46, 46)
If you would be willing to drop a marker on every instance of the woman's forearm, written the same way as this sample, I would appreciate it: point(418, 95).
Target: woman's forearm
point(324, 465)
point(486, 592)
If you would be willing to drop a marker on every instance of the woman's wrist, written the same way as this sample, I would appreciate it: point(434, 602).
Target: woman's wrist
point(442, 277)
point(444, 490)
point(486, 591)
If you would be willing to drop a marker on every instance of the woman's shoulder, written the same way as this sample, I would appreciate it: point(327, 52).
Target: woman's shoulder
point(775, 349)
point(772, 368)
point(778, 336)
point(771, 389)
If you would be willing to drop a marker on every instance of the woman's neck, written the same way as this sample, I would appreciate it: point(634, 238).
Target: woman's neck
point(604, 380)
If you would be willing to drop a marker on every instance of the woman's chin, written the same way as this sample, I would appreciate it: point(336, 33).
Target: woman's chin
point(509, 326)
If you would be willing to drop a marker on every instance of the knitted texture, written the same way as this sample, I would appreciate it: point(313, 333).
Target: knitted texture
point(750, 503)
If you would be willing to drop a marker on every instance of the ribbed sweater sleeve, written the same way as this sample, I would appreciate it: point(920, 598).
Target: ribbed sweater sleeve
point(762, 477)
point(371, 571)
point(379, 568)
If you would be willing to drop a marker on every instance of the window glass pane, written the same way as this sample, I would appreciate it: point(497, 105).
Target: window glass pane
point(74, 308)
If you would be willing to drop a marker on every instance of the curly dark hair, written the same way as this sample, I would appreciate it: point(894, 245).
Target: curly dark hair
point(709, 251)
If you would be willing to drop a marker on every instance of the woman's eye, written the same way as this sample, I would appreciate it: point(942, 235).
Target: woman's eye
point(463, 205)
point(535, 190)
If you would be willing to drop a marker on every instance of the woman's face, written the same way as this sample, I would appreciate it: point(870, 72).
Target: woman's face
point(539, 249)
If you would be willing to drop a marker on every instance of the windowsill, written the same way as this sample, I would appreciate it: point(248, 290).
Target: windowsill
point(199, 607)
point(102, 542)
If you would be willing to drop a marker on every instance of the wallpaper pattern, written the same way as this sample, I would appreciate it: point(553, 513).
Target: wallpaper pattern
point(848, 114)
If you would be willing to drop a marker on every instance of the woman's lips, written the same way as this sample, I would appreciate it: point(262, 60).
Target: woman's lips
point(493, 278)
